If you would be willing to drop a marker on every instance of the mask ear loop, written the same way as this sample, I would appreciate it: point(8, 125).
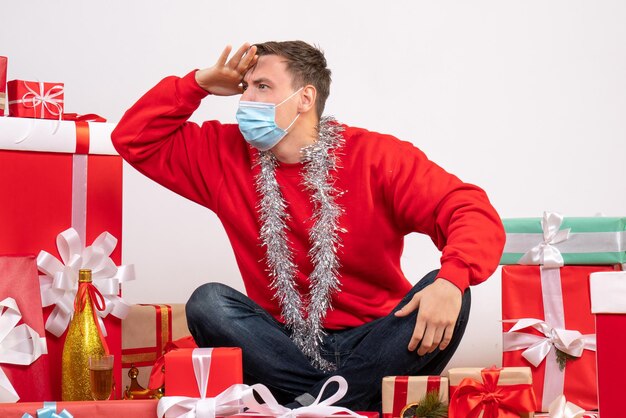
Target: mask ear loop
point(292, 94)
point(298, 115)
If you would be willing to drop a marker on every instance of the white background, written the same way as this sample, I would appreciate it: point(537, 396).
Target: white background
point(525, 98)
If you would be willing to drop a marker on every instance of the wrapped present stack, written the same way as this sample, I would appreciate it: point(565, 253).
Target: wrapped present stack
point(547, 320)
point(61, 188)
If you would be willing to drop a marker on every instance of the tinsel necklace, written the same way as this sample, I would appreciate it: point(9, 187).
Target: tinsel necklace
point(320, 160)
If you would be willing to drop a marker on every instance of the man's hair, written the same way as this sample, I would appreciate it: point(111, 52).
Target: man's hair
point(306, 64)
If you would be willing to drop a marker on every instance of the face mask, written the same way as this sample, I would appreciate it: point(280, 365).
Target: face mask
point(257, 123)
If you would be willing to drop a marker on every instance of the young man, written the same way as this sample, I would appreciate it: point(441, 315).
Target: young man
point(316, 212)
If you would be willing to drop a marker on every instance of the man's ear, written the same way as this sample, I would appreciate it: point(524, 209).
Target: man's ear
point(307, 99)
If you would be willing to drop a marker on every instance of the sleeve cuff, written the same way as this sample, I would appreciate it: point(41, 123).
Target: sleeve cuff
point(189, 92)
point(456, 272)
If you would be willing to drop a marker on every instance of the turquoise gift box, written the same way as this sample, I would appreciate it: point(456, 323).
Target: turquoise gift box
point(555, 241)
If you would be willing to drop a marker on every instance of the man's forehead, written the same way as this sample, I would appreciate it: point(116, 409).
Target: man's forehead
point(268, 68)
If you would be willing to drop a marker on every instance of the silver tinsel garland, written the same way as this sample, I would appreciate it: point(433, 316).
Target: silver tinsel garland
point(320, 160)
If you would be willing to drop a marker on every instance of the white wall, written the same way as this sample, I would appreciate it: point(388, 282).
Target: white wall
point(525, 98)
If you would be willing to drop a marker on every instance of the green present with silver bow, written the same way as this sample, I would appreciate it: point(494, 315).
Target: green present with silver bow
point(554, 241)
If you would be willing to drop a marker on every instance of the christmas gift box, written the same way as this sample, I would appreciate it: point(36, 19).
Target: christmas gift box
point(49, 183)
point(35, 99)
point(146, 331)
point(3, 84)
point(554, 241)
point(24, 368)
point(401, 393)
point(222, 367)
point(608, 303)
point(81, 409)
point(548, 326)
point(490, 393)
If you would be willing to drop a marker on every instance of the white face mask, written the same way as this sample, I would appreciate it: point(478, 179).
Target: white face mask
point(257, 123)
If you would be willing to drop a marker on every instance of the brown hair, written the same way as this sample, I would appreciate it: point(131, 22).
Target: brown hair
point(306, 64)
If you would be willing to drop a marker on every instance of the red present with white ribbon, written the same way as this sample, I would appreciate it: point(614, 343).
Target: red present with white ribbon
point(24, 369)
point(197, 385)
point(608, 303)
point(548, 327)
point(35, 99)
point(52, 182)
point(400, 391)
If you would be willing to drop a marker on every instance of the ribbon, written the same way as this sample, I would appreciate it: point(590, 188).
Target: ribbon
point(537, 348)
point(473, 397)
point(319, 408)
point(224, 404)
point(561, 408)
point(49, 410)
point(89, 117)
point(89, 291)
point(545, 253)
point(19, 344)
point(59, 283)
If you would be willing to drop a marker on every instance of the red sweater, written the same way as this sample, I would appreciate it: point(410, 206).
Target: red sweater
point(391, 189)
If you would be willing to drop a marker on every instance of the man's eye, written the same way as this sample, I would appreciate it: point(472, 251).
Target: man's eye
point(263, 86)
point(244, 87)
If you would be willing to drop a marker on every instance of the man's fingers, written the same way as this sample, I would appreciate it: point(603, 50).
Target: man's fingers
point(418, 334)
point(431, 340)
point(221, 61)
point(447, 337)
point(248, 59)
point(236, 58)
point(412, 305)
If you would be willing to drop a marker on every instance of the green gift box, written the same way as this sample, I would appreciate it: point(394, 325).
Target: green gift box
point(554, 241)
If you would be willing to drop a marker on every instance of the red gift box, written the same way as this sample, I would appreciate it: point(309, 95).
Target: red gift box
point(45, 193)
point(559, 299)
point(224, 370)
point(86, 409)
point(32, 99)
point(19, 280)
point(608, 303)
point(3, 83)
point(400, 391)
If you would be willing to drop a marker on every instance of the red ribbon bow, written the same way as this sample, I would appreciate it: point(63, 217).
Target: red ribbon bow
point(472, 397)
point(98, 303)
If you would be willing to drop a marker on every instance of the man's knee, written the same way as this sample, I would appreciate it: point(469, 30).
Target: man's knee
point(205, 301)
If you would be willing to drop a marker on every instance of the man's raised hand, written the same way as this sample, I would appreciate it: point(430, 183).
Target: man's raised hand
point(224, 78)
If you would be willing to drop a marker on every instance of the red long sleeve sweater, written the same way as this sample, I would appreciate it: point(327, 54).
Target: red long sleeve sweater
point(391, 189)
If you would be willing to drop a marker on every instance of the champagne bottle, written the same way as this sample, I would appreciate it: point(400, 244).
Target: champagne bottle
point(84, 339)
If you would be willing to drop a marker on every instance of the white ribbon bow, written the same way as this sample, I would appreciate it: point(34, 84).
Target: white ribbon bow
point(59, 283)
point(561, 408)
point(319, 408)
point(18, 345)
point(537, 347)
point(545, 253)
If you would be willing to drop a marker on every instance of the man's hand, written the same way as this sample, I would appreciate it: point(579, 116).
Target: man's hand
point(224, 78)
point(439, 306)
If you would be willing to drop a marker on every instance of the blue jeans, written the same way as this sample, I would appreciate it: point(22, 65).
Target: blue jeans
point(219, 316)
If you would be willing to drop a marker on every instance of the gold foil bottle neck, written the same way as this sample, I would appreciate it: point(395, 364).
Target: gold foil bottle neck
point(84, 276)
